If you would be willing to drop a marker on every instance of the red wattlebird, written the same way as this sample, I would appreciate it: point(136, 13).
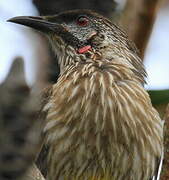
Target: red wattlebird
point(100, 122)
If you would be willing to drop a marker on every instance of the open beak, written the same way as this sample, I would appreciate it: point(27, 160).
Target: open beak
point(39, 23)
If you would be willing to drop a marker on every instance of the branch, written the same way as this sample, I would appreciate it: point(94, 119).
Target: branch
point(138, 19)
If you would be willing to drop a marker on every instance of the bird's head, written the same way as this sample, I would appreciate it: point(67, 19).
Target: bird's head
point(72, 28)
point(80, 33)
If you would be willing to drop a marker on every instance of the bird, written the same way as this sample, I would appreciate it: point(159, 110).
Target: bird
point(100, 122)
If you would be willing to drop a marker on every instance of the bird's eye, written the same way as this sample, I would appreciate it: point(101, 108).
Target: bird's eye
point(82, 21)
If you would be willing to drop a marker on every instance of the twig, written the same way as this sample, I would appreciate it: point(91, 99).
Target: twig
point(165, 170)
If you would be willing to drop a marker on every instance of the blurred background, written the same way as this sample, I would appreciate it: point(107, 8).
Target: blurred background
point(16, 40)
point(157, 53)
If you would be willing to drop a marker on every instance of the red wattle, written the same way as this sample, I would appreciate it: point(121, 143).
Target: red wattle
point(84, 49)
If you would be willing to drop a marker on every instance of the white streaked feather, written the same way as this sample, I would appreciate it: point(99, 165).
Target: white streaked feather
point(50, 124)
point(110, 93)
point(47, 106)
point(74, 92)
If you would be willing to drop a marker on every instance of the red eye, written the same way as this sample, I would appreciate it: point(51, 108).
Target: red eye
point(82, 21)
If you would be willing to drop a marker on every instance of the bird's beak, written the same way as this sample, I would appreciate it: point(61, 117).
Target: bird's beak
point(46, 25)
point(39, 23)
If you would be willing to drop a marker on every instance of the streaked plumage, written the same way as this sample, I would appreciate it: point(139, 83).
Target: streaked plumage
point(100, 123)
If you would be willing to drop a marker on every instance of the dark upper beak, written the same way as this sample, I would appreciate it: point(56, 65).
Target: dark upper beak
point(44, 24)
point(39, 23)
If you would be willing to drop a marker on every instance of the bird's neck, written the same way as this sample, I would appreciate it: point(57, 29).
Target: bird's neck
point(106, 55)
point(119, 68)
point(94, 106)
point(107, 59)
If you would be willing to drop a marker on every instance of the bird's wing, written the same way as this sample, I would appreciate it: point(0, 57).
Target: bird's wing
point(159, 164)
point(42, 160)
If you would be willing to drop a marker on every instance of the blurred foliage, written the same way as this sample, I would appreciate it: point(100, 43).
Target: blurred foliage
point(160, 99)
point(159, 96)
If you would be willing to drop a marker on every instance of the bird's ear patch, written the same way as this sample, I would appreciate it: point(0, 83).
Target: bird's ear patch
point(84, 49)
